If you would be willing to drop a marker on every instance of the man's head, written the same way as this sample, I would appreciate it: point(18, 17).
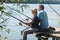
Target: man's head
point(41, 7)
point(34, 11)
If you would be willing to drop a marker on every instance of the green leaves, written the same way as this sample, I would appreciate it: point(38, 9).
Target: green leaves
point(0, 35)
point(1, 1)
point(19, 1)
point(1, 27)
point(15, 1)
point(8, 31)
point(5, 37)
point(24, 6)
point(7, 13)
point(1, 8)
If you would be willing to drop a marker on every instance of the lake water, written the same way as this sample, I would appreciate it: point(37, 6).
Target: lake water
point(15, 28)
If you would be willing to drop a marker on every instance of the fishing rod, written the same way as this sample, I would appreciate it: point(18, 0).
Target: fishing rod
point(17, 19)
point(19, 12)
point(16, 14)
point(13, 17)
point(54, 10)
point(4, 20)
point(22, 14)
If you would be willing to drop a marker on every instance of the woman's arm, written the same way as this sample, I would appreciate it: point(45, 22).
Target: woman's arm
point(30, 23)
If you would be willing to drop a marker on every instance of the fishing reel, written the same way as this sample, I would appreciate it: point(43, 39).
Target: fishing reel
point(27, 19)
point(20, 24)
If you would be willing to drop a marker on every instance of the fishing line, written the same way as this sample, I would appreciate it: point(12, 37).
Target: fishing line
point(4, 20)
point(19, 12)
point(54, 10)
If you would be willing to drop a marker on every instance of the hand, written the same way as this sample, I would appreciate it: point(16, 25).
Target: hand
point(27, 19)
point(20, 24)
point(27, 24)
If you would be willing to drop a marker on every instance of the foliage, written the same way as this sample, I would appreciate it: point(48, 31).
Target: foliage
point(7, 14)
point(24, 6)
point(15, 1)
point(1, 8)
point(8, 31)
point(0, 35)
point(1, 27)
point(5, 37)
point(1, 1)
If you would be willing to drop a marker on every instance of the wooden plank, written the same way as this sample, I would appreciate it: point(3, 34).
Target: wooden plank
point(54, 36)
point(45, 37)
point(57, 31)
point(57, 35)
point(42, 37)
point(57, 28)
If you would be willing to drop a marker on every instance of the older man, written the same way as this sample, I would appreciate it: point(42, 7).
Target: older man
point(43, 18)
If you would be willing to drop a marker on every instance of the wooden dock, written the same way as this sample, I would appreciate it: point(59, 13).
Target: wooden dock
point(55, 35)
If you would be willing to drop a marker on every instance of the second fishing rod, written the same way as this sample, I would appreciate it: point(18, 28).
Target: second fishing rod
point(19, 12)
point(17, 19)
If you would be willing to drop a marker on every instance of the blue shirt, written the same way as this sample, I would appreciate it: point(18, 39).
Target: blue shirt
point(43, 16)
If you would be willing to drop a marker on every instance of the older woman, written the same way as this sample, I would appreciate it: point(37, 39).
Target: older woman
point(34, 24)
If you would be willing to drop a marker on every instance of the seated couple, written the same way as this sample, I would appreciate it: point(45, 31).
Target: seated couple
point(38, 23)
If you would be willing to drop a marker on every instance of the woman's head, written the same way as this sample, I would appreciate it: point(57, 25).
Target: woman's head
point(34, 11)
